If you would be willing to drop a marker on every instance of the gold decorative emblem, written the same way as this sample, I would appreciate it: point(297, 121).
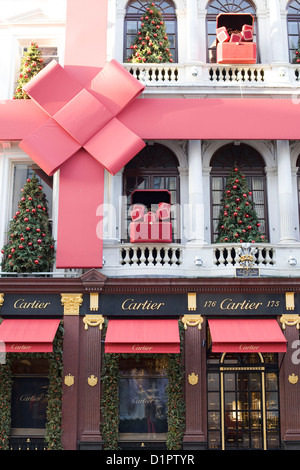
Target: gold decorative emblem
point(92, 380)
point(291, 319)
point(93, 320)
point(293, 379)
point(192, 320)
point(290, 300)
point(192, 301)
point(193, 378)
point(1, 299)
point(71, 303)
point(69, 380)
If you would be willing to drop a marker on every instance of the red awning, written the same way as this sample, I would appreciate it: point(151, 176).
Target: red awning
point(142, 336)
point(23, 336)
point(246, 336)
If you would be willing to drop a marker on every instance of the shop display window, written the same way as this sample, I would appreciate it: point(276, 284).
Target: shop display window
point(29, 397)
point(143, 399)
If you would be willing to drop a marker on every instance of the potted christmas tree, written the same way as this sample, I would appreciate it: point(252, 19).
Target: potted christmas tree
point(30, 246)
point(238, 221)
point(32, 63)
point(152, 43)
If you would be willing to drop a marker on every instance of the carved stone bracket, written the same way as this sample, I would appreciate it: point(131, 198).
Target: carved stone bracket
point(93, 320)
point(71, 303)
point(290, 320)
point(192, 320)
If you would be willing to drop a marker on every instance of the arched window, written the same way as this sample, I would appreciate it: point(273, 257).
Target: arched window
point(214, 8)
point(134, 12)
point(250, 162)
point(155, 167)
point(293, 24)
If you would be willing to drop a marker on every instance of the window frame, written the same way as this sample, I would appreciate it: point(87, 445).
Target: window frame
point(232, 8)
point(167, 17)
point(250, 172)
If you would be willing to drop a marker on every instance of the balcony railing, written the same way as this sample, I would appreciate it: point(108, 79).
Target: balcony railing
point(262, 75)
point(198, 260)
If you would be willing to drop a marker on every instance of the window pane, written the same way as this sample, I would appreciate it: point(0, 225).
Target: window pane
point(143, 405)
point(21, 173)
point(29, 401)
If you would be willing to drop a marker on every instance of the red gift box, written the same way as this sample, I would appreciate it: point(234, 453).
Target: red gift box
point(163, 211)
point(222, 34)
point(138, 212)
point(236, 52)
point(232, 53)
point(155, 232)
point(236, 37)
point(247, 35)
point(155, 226)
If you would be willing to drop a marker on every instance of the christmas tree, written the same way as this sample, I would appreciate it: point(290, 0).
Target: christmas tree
point(32, 63)
point(152, 43)
point(238, 221)
point(30, 247)
point(296, 59)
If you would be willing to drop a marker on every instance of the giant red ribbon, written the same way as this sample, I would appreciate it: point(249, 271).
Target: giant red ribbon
point(82, 121)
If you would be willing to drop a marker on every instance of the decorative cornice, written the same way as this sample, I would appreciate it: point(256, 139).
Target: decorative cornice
point(148, 285)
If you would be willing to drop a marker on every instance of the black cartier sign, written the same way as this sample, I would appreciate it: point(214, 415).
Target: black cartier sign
point(143, 305)
point(228, 304)
point(31, 305)
point(241, 304)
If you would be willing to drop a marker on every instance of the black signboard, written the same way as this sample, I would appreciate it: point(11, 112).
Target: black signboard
point(48, 305)
point(242, 304)
point(143, 305)
point(228, 304)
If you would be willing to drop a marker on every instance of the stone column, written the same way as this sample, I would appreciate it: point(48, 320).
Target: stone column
point(278, 55)
point(91, 327)
point(196, 205)
point(285, 193)
point(71, 352)
point(290, 383)
point(195, 383)
point(192, 29)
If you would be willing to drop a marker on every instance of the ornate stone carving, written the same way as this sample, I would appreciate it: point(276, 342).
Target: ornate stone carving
point(290, 320)
point(71, 303)
point(192, 320)
point(93, 320)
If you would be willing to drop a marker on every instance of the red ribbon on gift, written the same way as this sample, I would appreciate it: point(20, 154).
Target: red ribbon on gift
point(83, 121)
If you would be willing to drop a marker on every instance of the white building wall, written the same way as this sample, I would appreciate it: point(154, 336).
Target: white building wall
point(44, 21)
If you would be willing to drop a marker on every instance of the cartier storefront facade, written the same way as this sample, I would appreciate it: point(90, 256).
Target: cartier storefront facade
point(190, 364)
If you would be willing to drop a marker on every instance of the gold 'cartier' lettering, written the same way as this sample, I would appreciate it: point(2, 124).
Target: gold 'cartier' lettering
point(139, 347)
point(228, 304)
point(20, 303)
point(130, 304)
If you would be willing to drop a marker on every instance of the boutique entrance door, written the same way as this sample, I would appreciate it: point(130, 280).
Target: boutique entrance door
point(243, 403)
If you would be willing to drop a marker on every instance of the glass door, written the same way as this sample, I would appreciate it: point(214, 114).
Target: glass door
point(243, 408)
